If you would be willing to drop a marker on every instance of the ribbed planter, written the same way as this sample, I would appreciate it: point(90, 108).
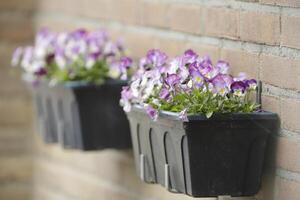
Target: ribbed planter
point(82, 116)
point(223, 155)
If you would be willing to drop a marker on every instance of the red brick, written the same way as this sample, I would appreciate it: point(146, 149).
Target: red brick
point(185, 18)
point(288, 190)
point(17, 28)
point(138, 44)
point(259, 27)
point(60, 174)
point(15, 191)
point(21, 5)
point(55, 25)
point(98, 9)
point(52, 6)
point(290, 114)
point(290, 31)
point(15, 111)
point(15, 141)
point(18, 168)
point(280, 71)
point(126, 11)
point(67, 178)
point(287, 155)
point(74, 7)
point(154, 14)
point(289, 3)
point(241, 61)
point(10, 76)
point(270, 103)
point(6, 51)
point(172, 46)
point(221, 22)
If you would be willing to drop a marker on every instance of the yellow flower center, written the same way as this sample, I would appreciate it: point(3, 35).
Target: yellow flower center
point(198, 79)
point(222, 91)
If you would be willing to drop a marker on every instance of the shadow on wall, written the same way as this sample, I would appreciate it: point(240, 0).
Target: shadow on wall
point(268, 187)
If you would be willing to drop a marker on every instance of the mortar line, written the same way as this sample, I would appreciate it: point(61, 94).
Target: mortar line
point(244, 45)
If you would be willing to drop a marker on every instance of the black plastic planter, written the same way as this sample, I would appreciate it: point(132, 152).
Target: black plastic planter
point(83, 116)
point(222, 155)
point(44, 113)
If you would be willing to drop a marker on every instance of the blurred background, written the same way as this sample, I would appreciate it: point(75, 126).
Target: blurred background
point(260, 37)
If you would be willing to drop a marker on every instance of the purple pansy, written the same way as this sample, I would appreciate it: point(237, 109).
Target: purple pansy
point(172, 80)
point(126, 93)
point(126, 96)
point(222, 66)
point(72, 52)
point(183, 115)
point(79, 34)
point(120, 68)
point(110, 49)
point(156, 57)
point(41, 72)
point(27, 57)
point(152, 113)
point(125, 63)
point(205, 62)
point(221, 84)
point(241, 77)
point(238, 88)
point(190, 56)
point(91, 59)
point(251, 83)
point(164, 93)
point(207, 69)
point(60, 58)
point(17, 54)
point(159, 78)
point(197, 77)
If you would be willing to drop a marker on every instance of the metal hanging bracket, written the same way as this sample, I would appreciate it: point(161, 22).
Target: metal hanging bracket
point(167, 175)
point(142, 167)
point(60, 130)
point(258, 93)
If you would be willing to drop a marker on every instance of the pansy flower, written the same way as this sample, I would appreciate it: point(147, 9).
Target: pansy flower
point(164, 93)
point(152, 113)
point(197, 78)
point(238, 88)
point(183, 115)
point(221, 84)
point(190, 82)
point(74, 55)
point(252, 84)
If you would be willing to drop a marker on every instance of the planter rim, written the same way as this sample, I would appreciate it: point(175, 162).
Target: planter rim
point(78, 84)
point(215, 116)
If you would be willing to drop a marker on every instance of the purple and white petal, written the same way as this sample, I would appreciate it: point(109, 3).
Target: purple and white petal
point(152, 113)
point(183, 115)
point(17, 54)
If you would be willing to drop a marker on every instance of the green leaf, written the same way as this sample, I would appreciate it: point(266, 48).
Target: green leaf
point(209, 114)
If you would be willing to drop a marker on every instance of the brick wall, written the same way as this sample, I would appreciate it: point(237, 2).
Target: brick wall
point(260, 37)
point(15, 108)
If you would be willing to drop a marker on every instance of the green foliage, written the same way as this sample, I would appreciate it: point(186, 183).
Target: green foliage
point(205, 102)
point(78, 71)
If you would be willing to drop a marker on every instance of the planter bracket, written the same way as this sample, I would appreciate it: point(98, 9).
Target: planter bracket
point(258, 93)
point(167, 179)
point(142, 167)
point(60, 131)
